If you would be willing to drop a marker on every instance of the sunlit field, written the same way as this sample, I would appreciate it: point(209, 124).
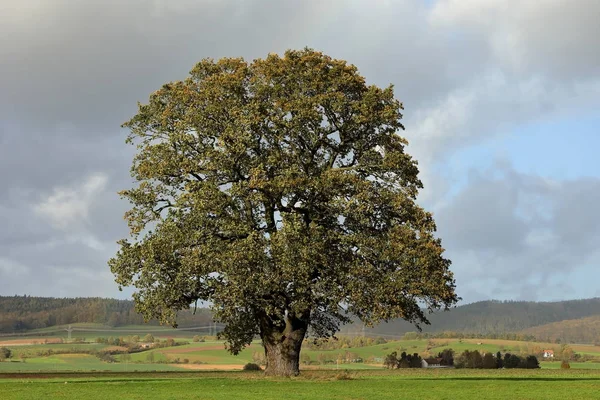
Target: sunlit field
point(44, 354)
point(384, 384)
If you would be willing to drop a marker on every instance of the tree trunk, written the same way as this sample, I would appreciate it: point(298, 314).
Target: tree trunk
point(282, 345)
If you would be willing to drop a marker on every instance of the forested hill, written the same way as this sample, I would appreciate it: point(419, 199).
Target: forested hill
point(23, 313)
point(582, 330)
point(488, 317)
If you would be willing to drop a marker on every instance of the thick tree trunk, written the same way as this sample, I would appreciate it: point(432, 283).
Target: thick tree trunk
point(282, 345)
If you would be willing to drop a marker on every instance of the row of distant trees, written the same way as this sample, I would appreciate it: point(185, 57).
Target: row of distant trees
point(405, 360)
point(414, 360)
point(135, 342)
point(467, 359)
point(474, 359)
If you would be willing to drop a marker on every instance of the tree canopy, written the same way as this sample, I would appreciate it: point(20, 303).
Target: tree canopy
point(279, 191)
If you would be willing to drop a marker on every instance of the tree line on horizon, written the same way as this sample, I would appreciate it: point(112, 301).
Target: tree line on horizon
point(573, 322)
point(19, 314)
point(492, 317)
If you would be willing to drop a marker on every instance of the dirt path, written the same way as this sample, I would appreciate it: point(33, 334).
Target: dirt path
point(219, 367)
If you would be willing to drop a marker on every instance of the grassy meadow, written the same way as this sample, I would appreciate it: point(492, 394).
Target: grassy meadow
point(48, 367)
point(44, 354)
point(383, 384)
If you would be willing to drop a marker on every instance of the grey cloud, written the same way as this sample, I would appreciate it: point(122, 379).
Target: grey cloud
point(34, 160)
point(495, 233)
point(483, 217)
point(87, 63)
point(541, 37)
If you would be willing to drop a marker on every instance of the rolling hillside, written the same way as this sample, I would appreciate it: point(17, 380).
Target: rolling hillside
point(23, 313)
point(489, 317)
point(571, 321)
point(583, 330)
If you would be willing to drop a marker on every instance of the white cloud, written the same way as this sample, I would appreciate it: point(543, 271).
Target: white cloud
point(68, 207)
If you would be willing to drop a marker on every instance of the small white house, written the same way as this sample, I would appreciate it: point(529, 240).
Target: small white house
point(431, 363)
point(548, 354)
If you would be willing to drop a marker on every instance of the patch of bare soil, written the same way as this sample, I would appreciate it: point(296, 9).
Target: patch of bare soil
point(26, 342)
point(219, 367)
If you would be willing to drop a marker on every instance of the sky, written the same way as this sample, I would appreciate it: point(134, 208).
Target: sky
point(501, 98)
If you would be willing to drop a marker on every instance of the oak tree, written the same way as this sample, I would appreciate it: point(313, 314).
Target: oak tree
point(279, 192)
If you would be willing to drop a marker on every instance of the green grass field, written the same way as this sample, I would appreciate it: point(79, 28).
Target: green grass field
point(203, 355)
point(381, 385)
point(78, 362)
point(68, 376)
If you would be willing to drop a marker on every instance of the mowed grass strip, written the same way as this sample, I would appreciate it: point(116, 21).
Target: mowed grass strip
point(423, 384)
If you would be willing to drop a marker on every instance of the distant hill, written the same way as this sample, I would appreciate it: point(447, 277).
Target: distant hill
point(488, 317)
point(23, 313)
point(583, 330)
point(571, 321)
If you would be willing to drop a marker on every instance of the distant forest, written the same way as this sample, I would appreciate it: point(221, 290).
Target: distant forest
point(499, 317)
point(23, 313)
point(583, 330)
point(568, 321)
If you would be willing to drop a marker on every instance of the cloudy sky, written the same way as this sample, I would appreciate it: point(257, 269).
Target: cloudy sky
point(502, 108)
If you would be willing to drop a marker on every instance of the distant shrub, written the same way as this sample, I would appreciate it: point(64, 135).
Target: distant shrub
point(565, 365)
point(530, 362)
point(380, 340)
point(5, 353)
point(106, 357)
point(252, 367)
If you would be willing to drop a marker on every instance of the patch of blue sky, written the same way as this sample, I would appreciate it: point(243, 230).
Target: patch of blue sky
point(561, 149)
point(554, 149)
point(558, 149)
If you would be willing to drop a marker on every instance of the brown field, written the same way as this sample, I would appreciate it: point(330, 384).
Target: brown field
point(115, 348)
point(205, 367)
point(585, 347)
point(26, 342)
